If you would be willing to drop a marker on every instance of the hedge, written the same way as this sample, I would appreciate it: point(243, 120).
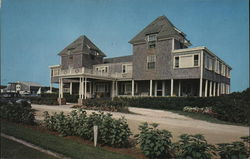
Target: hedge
point(51, 98)
point(234, 107)
point(17, 112)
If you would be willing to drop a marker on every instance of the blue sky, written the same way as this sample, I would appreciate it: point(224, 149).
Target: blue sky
point(34, 31)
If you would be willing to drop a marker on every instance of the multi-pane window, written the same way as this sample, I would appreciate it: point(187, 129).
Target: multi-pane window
point(196, 60)
point(151, 59)
point(176, 62)
point(152, 37)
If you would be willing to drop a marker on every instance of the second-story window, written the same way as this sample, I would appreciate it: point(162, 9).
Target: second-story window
point(196, 60)
point(151, 37)
point(151, 59)
point(176, 62)
point(124, 70)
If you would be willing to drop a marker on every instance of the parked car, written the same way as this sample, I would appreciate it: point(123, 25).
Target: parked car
point(12, 97)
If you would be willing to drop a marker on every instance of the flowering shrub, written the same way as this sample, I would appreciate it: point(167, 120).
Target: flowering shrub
point(205, 110)
point(112, 132)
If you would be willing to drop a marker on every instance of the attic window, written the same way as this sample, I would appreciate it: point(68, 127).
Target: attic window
point(151, 37)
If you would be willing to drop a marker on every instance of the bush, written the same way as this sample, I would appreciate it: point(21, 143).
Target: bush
point(154, 143)
point(115, 105)
point(111, 132)
point(17, 112)
point(193, 146)
point(232, 150)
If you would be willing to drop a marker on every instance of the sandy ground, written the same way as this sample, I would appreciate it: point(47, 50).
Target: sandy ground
point(175, 123)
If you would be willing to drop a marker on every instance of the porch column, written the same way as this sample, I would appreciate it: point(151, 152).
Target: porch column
point(201, 77)
point(155, 88)
point(218, 89)
point(59, 94)
point(206, 88)
point(90, 89)
point(70, 88)
point(150, 87)
point(210, 88)
point(179, 91)
point(80, 88)
point(163, 88)
point(214, 89)
point(51, 87)
point(113, 87)
point(172, 87)
point(133, 87)
point(61, 87)
point(200, 92)
point(116, 88)
point(85, 89)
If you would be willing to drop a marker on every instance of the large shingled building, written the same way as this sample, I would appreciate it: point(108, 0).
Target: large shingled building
point(162, 64)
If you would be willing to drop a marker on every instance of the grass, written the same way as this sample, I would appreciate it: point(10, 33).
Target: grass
point(204, 117)
point(12, 149)
point(58, 144)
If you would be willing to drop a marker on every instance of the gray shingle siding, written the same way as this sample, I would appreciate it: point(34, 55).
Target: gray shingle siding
point(119, 59)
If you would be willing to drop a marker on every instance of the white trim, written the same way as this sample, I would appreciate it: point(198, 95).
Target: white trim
point(201, 77)
point(173, 45)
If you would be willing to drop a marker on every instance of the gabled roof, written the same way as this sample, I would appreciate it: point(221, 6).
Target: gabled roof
point(79, 45)
point(162, 26)
point(28, 83)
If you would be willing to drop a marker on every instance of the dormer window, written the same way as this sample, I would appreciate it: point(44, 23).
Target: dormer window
point(151, 37)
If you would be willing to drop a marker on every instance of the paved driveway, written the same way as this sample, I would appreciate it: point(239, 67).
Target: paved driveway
point(177, 124)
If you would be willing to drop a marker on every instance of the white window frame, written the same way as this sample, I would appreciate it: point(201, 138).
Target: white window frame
point(150, 59)
point(192, 66)
point(152, 35)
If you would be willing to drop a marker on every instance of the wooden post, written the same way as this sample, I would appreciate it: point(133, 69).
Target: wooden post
point(116, 88)
point(95, 135)
point(210, 88)
point(206, 88)
point(59, 94)
point(218, 89)
point(150, 87)
point(201, 77)
point(70, 88)
point(163, 88)
point(85, 89)
point(172, 87)
point(155, 88)
point(80, 88)
point(133, 87)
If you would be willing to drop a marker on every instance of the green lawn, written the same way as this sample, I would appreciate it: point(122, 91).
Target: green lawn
point(204, 117)
point(58, 144)
point(14, 150)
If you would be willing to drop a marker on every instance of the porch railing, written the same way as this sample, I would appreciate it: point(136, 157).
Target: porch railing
point(57, 71)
